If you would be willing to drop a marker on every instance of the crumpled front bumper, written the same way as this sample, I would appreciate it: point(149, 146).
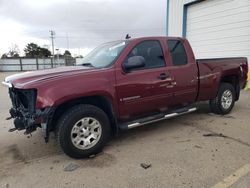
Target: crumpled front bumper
point(26, 116)
point(30, 121)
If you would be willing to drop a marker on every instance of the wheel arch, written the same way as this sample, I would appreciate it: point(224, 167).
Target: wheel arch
point(234, 81)
point(99, 101)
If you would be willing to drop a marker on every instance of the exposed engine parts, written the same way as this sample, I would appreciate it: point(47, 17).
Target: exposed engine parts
point(25, 116)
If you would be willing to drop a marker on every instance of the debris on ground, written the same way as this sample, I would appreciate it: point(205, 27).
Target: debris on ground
point(71, 167)
point(228, 137)
point(197, 146)
point(228, 116)
point(212, 114)
point(180, 141)
point(215, 134)
point(224, 116)
point(145, 165)
point(92, 156)
point(96, 155)
point(56, 161)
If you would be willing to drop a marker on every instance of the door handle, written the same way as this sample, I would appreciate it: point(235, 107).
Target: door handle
point(163, 76)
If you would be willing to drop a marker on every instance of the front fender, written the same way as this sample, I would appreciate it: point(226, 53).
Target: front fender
point(54, 94)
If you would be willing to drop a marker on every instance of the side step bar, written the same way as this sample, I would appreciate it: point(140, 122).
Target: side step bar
point(156, 118)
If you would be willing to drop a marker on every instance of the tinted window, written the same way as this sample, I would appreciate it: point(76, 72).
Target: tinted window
point(178, 53)
point(151, 51)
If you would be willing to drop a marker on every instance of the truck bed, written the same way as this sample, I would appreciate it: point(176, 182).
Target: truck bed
point(212, 70)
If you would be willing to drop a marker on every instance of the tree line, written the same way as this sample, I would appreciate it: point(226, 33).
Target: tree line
point(32, 50)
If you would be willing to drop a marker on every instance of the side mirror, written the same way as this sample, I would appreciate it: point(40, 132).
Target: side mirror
point(133, 62)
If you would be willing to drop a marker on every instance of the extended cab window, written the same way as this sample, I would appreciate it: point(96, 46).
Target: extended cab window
point(152, 53)
point(178, 53)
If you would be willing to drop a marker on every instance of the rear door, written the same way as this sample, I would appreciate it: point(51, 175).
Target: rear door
point(144, 90)
point(184, 72)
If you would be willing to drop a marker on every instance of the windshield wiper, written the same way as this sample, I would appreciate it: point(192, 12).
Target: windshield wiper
point(87, 64)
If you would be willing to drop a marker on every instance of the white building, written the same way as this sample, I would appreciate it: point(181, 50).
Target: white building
point(215, 28)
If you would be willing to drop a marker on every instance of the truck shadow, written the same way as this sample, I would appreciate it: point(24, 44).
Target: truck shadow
point(168, 126)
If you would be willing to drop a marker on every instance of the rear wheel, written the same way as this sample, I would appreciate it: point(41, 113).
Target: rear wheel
point(225, 99)
point(83, 131)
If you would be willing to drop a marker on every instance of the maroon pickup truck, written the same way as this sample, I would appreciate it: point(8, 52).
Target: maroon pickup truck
point(121, 85)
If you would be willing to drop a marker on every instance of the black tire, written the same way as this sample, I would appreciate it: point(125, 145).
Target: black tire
point(69, 119)
point(216, 103)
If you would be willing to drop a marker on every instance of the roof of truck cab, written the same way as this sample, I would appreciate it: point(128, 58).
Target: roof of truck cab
point(147, 38)
point(155, 37)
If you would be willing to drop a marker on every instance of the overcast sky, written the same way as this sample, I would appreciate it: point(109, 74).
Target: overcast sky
point(86, 23)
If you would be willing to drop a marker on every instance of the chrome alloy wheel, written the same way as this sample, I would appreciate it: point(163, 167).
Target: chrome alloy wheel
point(226, 99)
point(86, 133)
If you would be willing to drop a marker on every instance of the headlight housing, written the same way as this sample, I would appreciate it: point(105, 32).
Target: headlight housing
point(24, 98)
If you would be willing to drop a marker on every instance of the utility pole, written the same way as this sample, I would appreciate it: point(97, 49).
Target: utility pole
point(52, 36)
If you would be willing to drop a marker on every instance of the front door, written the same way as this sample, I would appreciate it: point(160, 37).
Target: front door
point(144, 90)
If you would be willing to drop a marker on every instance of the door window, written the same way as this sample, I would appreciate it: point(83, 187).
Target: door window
point(178, 53)
point(152, 53)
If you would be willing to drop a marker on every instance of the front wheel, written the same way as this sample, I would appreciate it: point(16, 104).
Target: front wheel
point(225, 99)
point(83, 131)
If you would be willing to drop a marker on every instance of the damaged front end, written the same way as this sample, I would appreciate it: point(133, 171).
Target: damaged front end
point(26, 116)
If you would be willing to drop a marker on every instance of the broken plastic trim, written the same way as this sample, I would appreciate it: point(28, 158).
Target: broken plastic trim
point(7, 84)
point(26, 116)
point(31, 121)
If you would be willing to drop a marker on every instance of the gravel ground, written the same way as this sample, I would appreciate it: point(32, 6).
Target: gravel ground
point(179, 153)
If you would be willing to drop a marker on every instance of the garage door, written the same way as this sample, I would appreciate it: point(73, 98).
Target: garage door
point(219, 28)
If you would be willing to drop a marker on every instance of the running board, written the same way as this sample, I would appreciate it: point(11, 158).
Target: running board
point(155, 118)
